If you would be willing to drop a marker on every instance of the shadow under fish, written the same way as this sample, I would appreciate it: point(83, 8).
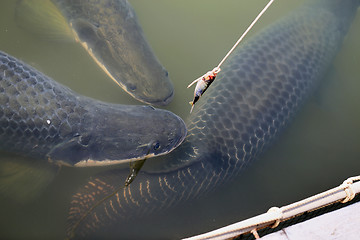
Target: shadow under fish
point(111, 34)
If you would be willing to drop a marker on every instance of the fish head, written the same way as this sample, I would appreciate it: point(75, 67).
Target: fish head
point(119, 135)
point(118, 45)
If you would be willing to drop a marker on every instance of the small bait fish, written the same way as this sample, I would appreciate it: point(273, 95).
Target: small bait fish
point(202, 84)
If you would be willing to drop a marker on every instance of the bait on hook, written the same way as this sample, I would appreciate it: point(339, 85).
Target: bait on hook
point(202, 83)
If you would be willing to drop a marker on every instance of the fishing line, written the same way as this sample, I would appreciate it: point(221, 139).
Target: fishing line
point(243, 35)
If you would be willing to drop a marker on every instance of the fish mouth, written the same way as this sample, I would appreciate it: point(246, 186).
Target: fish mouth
point(178, 142)
point(183, 133)
point(164, 101)
point(160, 93)
point(107, 162)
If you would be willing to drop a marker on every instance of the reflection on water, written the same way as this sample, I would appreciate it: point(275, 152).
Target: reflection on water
point(318, 151)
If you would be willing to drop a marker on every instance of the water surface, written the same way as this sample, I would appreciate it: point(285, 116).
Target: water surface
point(318, 151)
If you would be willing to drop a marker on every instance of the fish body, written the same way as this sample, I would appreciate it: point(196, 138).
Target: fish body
point(261, 87)
point(43, 119)
point(110, 33)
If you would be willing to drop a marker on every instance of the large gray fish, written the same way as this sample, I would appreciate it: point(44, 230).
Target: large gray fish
point(111, 34)
point(260, 88)
point(43, 119)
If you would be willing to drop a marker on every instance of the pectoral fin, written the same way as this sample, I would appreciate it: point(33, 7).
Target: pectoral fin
point(134, 170)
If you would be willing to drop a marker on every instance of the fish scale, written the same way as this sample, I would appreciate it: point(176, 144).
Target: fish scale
point(25, 92)
point(261, 87)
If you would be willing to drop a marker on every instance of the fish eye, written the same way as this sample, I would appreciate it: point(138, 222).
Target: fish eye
point(156, 146)
point(85, 140)
point(132, 87)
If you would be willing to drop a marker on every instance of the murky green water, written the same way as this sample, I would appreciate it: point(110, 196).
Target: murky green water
point(318, 151)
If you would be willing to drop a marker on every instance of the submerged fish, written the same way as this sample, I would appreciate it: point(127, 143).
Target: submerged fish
point(43, 119)
point(261, 87)
point(111, 34)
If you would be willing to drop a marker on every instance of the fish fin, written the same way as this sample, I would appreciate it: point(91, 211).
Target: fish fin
point(23, 180)
point(43, 19)
point(192, 107)
point(134, 170)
